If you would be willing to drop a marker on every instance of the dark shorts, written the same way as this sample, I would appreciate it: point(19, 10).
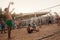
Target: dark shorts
point(2, 26)
point(30, 31)
point(49, 21)
point(9, 22)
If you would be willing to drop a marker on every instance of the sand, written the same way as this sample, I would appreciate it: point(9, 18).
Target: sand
point(45, 30)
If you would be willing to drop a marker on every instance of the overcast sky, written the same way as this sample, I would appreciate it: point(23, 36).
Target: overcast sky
point(26, 6)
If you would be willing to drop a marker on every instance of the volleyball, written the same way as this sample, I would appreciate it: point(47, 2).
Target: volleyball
point(12, 3)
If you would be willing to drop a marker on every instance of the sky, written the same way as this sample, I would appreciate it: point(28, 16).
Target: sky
point(26, 6)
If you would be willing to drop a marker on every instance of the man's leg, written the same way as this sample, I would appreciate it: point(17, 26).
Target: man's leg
point(9, 24)
point(9, 32)
point(40, 25)
point(4, 29)
point(1, 29)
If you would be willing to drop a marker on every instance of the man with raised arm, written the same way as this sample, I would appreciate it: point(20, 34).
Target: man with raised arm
point(8, 19)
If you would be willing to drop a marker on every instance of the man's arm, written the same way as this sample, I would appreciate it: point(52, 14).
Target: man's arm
point(8, 6)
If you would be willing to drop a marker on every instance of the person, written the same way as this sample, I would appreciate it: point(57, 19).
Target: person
point(8, 20)
point(34, 26)
point(29, 30)
point(0, 26)
point(47, 20)
point(20, 23)
point(3, 26)
point(39, 22)
point(57, 20)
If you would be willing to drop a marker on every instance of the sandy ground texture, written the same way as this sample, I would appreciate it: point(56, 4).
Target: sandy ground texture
point(43, 34)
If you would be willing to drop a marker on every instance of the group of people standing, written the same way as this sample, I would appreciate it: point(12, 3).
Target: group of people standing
point(48, 21)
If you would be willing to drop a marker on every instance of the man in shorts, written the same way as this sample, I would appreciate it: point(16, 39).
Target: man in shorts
point(2, 26)
point(8, 20)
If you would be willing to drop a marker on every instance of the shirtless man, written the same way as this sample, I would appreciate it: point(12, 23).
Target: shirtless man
point(8, 19)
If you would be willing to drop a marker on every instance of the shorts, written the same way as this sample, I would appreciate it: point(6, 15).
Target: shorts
point(2, 26)
point(30, 31)
point(9, 22)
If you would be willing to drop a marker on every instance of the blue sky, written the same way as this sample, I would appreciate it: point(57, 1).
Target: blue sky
point(26, 6)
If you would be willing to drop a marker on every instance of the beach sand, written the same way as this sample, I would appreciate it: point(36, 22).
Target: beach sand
point(45, 30)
